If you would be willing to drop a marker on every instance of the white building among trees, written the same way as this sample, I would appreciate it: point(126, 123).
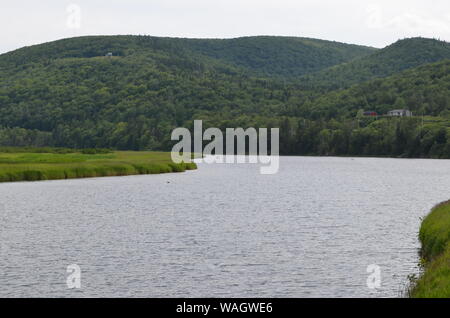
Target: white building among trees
point(400, 113)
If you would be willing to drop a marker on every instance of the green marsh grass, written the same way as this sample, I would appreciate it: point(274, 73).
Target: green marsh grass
point(435, 238)
point(30, 166)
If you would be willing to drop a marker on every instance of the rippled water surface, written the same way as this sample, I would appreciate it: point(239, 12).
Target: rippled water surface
point(222, 231)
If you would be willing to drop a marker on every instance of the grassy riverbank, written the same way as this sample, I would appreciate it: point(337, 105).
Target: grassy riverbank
point(53, 164)
point(435, 238)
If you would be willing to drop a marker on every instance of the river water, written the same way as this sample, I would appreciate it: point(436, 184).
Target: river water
point(312, 230)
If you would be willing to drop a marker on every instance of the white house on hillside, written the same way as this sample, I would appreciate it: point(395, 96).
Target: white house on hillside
point(400, 113)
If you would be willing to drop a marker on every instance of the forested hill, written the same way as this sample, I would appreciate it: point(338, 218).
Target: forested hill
point(262, 56)
point(282, 57)
point(423, 90)
point(400, 56)
point(68, 93)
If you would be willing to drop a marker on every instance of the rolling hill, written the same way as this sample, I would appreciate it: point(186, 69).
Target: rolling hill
point(424, 90)
point(402, 55)
point(149, 84)
point(262, 55)
point(68, 93)
point(281, 57)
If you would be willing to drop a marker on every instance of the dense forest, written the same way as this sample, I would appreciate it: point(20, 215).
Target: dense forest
point(400, 56)
point(68, 93)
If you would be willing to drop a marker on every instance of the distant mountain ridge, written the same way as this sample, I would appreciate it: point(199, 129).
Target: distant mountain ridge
point(273, 56)
point(71, 93)
point(268, 56)
point(402, 55)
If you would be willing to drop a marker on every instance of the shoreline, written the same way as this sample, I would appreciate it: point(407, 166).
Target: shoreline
point(434, 282)
point(365, 157)
point(28, 167)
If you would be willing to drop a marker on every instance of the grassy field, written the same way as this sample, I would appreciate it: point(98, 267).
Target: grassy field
point(53, 164)
point(435, 238)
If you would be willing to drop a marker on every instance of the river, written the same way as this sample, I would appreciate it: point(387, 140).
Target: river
point(312, 230)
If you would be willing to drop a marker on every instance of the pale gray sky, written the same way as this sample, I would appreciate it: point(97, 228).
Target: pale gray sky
point(375, 23)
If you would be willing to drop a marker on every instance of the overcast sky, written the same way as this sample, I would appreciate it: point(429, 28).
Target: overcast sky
point(375, 23)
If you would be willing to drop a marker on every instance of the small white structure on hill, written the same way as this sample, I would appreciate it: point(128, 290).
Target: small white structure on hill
point(400, 113)
point(109, 54)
